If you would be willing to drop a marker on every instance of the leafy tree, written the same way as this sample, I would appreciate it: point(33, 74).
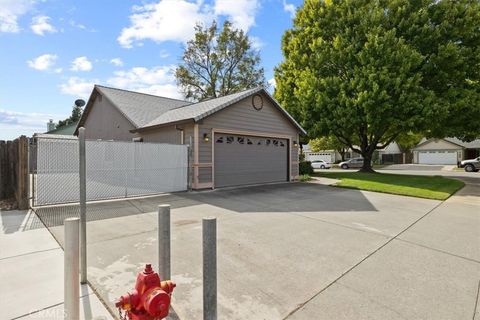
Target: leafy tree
point(406, 141)
point(367, 71)
point(328, 143)
point(218, 62)
point(74, 117)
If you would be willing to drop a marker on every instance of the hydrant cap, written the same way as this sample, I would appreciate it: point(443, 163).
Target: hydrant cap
point(157, 303)
point(148, 269)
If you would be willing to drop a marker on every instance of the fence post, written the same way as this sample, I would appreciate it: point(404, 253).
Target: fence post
point(83, 204)
point(164, 241)
point(70, 265)
point(21, 191)
point(209, 234)
point(190, 163)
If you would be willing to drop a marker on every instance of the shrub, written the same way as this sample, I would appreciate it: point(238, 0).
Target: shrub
point(305, 167)
point(305, 177)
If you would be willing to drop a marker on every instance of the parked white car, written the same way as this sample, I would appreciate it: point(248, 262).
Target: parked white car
point(320, 164)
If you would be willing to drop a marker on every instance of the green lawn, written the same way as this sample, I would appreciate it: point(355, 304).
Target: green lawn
point(436, 187)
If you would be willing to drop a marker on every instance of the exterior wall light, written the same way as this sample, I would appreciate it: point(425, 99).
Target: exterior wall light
point(205, 137)
point(295, 144)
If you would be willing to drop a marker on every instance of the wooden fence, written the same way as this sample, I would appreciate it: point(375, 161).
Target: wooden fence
point(14, 171)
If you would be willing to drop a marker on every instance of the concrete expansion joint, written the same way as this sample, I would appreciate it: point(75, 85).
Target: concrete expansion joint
point(301, 305)
point(342, 225)
point(29, 253)
point(475, 308)
point(438, 250)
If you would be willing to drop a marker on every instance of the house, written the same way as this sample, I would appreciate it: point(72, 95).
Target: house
point(445, 151)
point(67, 129)
point(239, 139)
point(390, 153)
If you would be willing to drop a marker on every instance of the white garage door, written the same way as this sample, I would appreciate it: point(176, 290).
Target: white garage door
point(319, 156)
point(241, 160)
point(437, 157)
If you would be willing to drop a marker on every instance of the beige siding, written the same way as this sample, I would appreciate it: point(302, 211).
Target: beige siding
point(242, 116)
point(204, 175)
point(438, 145)
point(105, 122)
point(163, 135)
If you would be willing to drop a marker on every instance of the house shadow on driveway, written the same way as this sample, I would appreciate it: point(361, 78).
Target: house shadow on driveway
point(278, 198)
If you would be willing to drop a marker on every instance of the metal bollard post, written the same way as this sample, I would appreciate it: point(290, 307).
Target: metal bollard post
point(71, 257)
point(209, 233)
point(83, 205)
point(164, 241)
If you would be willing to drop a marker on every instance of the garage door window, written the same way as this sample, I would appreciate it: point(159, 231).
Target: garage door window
point(220, 139)
point(230, 139)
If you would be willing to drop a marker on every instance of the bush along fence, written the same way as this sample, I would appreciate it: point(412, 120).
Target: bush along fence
point(14, 171)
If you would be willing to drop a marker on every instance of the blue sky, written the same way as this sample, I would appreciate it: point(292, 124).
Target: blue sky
point(53, 51)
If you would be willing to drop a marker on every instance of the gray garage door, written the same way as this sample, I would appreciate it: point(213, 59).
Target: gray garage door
point(241, 160)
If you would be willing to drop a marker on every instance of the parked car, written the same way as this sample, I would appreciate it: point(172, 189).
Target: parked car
point(320, 164)
point(472, 165)
point(352, 163)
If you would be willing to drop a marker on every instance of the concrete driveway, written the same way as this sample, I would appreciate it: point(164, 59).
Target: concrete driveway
point(297, 251)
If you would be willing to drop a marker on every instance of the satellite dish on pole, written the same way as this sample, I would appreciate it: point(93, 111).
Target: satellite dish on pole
point(79, 102)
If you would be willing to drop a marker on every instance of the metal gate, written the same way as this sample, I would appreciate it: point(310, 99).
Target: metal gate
point(114, 169)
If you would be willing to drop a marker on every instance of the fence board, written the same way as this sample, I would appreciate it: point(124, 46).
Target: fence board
point(14, 171)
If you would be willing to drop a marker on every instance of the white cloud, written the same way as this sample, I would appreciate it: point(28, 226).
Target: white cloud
point(117, 62)
point(14, 123)
point(163, 21)
point(43, 62)
point(81, 64)
point(159, 80)
point(257, 43)
point(78, 87)
point(164, 54)
point(10, 11)
point(240, 12)
point(40, 25)
point(290, 8)
point(75, 24)
point(272, 83)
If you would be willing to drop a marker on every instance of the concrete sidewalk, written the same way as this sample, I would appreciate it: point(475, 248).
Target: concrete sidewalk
point(297, 251)
point(31, 272)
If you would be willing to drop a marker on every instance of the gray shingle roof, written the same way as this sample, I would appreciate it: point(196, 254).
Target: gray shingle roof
point(200, 110)
point(475, 144)
point(139, 108)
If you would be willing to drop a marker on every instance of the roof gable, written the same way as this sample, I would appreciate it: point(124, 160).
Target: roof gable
point(203, 109)
point(146, 111)
point(139, 108)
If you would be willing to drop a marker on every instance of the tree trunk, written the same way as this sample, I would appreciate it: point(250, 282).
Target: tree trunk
point(367, 161)
point(342, 154)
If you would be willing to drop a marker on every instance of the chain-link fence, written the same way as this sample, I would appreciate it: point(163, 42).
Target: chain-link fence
point(114, 169)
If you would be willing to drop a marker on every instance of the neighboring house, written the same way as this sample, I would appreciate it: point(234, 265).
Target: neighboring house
point(333, 156)
point(68, 129)
point(445, 151)
point(239, 139)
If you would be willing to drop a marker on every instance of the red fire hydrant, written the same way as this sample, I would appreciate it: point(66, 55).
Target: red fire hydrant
point(150, 299)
